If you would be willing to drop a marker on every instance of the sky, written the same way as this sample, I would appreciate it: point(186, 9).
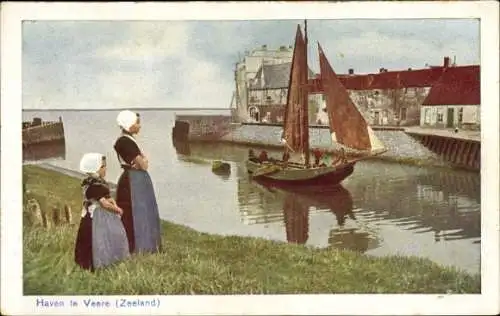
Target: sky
point(127, 64)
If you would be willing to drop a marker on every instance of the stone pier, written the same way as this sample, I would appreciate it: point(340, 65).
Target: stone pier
point(461, 148)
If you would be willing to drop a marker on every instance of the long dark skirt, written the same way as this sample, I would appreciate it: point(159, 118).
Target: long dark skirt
point(141, 219)
point(101, 240)
point(83, 245)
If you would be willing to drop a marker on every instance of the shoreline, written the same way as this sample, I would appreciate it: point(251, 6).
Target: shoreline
point(201, 263)
point(414, 145)
point(418, 162)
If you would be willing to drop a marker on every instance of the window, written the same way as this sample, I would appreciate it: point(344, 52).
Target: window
point(252, 99)
point(427, 116)
point(403, 114)
point(460, 115)
point(268, 98)
point(440, 115)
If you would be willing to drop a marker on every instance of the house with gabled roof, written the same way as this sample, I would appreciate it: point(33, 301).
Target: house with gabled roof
point(267, 93)
point(454, 100)
point(245, 71)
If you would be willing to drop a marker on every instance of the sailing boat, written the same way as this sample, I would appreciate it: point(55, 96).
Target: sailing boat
point(348, 128)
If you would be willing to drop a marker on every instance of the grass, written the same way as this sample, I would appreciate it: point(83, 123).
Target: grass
point(200, 263)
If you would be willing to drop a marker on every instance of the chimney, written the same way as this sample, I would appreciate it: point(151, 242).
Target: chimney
point(446, 62)
point(351, 71)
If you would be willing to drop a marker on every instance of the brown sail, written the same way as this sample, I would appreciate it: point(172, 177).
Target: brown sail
point(295, 127)
point(345, 120)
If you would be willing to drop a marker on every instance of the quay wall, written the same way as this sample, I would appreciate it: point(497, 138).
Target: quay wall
point(47, 132)
point(401, 146)
point(201, 127)
point(397, 142)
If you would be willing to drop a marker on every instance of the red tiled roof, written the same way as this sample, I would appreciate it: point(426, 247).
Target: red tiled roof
point(392, 79)
point(386, 80)
point(457, 85)
point(355, 82)
point(421, 77)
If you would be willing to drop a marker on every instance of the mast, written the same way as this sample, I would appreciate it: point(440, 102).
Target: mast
point(294, 133)
point(305, 108)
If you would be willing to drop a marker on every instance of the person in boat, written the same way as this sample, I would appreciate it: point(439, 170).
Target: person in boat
point(135, 193)
point(317, 157)
point(101, 239)
point(285, 158)
point(263, 156)
point(252, 157)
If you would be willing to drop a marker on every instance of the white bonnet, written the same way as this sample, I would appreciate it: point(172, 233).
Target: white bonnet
point(91, 162)
point(126, 119)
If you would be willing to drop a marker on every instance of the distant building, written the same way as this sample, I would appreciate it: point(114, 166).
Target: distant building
point(246, 70)
point(267, 94)
point(454, 100)
point(392, 97)
point(384, 98)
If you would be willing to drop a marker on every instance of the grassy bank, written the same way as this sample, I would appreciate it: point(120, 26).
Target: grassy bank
point(199, 263)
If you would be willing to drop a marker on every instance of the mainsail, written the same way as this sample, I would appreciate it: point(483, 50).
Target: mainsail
point(296, 125)
point(347, 125)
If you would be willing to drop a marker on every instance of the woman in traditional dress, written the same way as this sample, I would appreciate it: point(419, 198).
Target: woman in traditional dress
point(135, 193)
point(101, 238)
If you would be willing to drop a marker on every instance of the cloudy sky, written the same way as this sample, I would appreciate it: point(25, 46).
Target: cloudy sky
point(102, 64)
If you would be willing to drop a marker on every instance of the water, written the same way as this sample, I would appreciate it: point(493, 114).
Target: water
point(381, 209)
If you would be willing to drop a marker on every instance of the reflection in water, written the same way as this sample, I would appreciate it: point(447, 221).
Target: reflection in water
point(416, 211)
point(183, 150)
point(420, 200)
point(445, 203)
point(182, 147)
point(298, 204)
point(50, 150)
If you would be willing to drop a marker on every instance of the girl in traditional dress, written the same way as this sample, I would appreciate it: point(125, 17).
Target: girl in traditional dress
point(101, 238)
point(135, 193)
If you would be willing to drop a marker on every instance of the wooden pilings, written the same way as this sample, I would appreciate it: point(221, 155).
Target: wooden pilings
point(457, 151)
point(38, 216)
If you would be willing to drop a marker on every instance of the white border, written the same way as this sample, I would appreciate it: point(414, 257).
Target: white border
point(11, 156)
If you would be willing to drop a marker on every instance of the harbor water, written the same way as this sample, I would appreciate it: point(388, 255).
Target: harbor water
point(381, 209)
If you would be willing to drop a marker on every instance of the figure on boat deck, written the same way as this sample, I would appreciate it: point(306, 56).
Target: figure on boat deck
point(318, 154)
point(252, 157)
point(263, 156)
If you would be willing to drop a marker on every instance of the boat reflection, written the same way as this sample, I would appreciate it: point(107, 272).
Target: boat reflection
point(48, 150)
point(446, 204)
point(298, 204)
point(183, 150)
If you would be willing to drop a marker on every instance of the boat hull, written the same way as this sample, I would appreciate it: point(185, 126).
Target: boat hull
point(290, 178)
